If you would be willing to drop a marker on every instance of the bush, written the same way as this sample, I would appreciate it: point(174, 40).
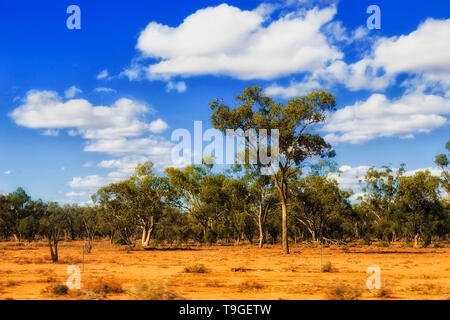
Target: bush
point(344, 292)
point(195, 268)
point(367, 239)
point(60, 290)
point(104, 287)
point(328, 267)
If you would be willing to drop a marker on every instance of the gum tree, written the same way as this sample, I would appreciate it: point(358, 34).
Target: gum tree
point(442, 161)
point(295, 122)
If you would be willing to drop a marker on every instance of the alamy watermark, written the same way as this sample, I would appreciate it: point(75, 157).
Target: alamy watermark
point(374, 21)
point(74, 20)
point(374, 280)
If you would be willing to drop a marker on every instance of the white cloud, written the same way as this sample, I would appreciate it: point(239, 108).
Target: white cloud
point(380, 117)
point(7, 172)
point(91, 183)
point(158, 126)
point(72, 92)
point(88, 164)
point(73, 194)
point(294, 89)
point(102, 75)
point(239, 43)
point(118, 130)
point(105, 90)
point(179, 86)
point(45, 109)
point(348, 176)
point(149, 146)
point(423, 54)
point(51, 133)
point(426, 49)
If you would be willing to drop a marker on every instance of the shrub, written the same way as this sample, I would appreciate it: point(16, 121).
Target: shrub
point(104, 287)
point(367, 239)
point(60, 290)
point(344, 292)
point(328, 267)
point(195, 268)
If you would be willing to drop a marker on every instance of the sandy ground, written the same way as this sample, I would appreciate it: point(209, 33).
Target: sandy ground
point(232, 272)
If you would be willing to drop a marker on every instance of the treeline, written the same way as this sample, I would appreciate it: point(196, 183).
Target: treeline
point(202, 204)
point(197, 204)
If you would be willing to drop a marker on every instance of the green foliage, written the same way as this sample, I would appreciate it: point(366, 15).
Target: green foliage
point(28, 228)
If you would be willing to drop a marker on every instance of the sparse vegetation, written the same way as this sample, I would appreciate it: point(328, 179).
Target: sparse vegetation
point(195, 268)
point(329, 267)
point(60, 290)
point(150, 290)
point(344, 292)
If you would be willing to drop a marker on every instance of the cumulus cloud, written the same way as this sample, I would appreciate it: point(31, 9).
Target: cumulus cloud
point(422, 54)
point(379, 116)
point(158, 126)
point(45, 109)
point(72, 92)
point(119, 130)
point(239, 43)
point(7, 172)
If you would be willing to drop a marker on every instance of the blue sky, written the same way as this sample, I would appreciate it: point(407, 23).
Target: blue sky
point(166, 60)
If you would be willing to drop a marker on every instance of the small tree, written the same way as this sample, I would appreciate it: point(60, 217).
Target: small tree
point(443, 162)
point(419, 202)
point(51, 227)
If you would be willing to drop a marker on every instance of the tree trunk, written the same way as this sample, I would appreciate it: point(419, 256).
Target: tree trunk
point(416, 241)
point(260, 225)
point(284, 232)
point(146, 232)
point(53, 249)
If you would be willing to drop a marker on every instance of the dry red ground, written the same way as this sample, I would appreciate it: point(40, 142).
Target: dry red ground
point(227, 272)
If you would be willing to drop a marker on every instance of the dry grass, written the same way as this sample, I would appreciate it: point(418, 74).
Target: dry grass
point(344, 292)
point(105, 287)
point(110, 273)
point(249, 285)
point(149, 290)
point(195, 268)
point(328, 267)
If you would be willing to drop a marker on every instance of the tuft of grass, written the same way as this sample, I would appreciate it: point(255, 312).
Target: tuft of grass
point(250, 285)
point(384, 293)
point(344, 292)
point(152, 291)
point(328, 267)
point(60, 290)
point(104, 287)
point(195, 268)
